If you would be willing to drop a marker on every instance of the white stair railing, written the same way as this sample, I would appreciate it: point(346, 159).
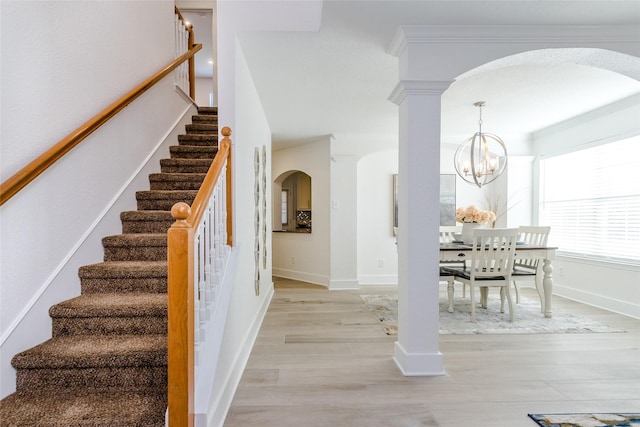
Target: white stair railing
point(184, 40)
point(198, 249)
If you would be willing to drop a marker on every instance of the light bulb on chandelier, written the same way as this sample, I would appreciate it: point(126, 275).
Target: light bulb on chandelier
point(481, 158)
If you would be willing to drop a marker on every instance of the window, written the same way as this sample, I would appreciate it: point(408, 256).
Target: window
point(591, 200)
point(285, 207)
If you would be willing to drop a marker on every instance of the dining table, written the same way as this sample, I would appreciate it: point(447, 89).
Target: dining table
point(460, 252)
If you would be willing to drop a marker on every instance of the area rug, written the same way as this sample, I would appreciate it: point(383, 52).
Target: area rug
point(586, 420)
point(528, 318)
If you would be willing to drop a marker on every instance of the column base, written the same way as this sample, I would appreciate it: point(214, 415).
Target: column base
point(418, 364)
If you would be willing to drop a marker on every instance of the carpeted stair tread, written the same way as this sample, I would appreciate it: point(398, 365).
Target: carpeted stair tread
point(165, 194)
point(123, 270)
point(193, 151)
point(147, 215)
point(176, 181)
point(163, 199)
point(146, 221)
point(202, 128)
point(198, 139)
point(111, 305)
point(135, 247)
point(185, 165)
point(208, 110)
point(135, 239)
point(110, 313)
point(204, 118)
point(124, 276)
point(81, 409)
point(94, 352)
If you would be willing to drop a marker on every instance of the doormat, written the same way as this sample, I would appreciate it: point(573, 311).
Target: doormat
point(586, 420)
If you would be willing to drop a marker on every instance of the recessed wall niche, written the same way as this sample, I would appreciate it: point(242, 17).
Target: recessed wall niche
point(292, 193)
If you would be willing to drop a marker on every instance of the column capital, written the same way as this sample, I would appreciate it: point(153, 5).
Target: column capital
point(405, 88)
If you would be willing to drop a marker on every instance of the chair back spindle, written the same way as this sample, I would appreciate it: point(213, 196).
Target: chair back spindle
point(493, 252)
point(532, 235)
point(448, 233)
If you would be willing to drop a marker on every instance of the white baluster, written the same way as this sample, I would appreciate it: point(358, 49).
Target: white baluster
point(196, 339)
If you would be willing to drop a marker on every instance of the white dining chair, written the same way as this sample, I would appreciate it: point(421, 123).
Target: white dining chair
point(490, 265)
point(530, 269)
point(449, 233)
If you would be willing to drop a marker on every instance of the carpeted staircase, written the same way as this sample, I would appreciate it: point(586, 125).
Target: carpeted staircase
point(106, 364)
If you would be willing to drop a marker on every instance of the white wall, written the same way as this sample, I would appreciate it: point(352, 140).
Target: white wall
point(204, 87)
point(343, 240)
point(377, 250)
point(55, 224)
point(61, 78)
point(518, 207)
point(608, 285)
point(247, 308)
point(305, 256)
point(512, 210)
point(240, 108)
point(466, 194)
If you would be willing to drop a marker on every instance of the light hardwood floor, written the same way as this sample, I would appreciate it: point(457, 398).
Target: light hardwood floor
point(322, 359)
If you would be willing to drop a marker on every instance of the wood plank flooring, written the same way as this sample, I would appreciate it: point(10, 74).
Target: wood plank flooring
point(322, 359)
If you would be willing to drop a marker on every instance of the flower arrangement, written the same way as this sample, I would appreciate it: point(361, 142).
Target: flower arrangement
point(473, 214)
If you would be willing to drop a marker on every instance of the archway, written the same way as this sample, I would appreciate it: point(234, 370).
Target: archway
point(292, 193)
point(431, 59)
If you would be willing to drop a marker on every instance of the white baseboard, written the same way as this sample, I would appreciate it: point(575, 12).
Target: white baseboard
point(378, 279)
point(597, 300)
point(302, 276)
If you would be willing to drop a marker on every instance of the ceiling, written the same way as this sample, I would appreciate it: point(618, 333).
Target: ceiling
point(337, 81)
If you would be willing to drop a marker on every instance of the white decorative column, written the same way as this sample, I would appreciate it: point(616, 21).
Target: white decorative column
point(417, 349)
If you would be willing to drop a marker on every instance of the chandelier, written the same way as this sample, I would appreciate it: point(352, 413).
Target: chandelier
point(481, 158)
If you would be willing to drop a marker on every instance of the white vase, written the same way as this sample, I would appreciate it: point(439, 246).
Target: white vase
point(467, 231)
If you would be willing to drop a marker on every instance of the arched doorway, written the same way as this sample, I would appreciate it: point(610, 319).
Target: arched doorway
point(292, 193)
point(431, 59)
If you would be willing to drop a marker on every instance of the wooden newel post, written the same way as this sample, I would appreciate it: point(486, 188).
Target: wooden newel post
point(192, 65)
point(226, 133)
point(180, 332)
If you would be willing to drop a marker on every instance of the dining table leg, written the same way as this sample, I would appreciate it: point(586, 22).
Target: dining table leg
point(547, 285)
point(540, 288)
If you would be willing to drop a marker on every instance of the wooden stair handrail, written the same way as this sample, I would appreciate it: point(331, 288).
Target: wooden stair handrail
point(24, 176)
point(192, 63)
point(180, 256)
point(201, 201)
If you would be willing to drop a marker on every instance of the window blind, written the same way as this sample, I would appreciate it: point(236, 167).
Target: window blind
point(591, 200)
point(284, 212)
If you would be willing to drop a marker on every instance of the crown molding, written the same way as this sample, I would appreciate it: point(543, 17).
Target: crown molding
point(405, 88)
point(512, 34)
